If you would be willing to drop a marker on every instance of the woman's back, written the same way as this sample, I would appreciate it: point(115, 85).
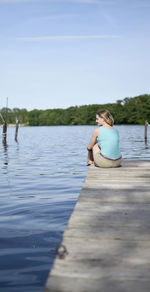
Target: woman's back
point(108, 141)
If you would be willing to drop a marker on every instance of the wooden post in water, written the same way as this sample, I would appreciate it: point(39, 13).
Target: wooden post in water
point(5, 123)
point(146, 124)
point(4, 131)
point(16, 132)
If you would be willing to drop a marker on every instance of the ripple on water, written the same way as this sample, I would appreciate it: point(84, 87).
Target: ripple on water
point(40, 180)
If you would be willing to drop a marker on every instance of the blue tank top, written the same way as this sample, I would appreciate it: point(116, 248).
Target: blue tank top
point(108, 141)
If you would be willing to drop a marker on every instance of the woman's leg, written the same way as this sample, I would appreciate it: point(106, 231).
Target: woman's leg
point(90, 159)
point(96, 149)
point(96, 155)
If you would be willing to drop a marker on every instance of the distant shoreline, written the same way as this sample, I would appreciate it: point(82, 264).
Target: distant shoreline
point(130, 110)
point(14, 125)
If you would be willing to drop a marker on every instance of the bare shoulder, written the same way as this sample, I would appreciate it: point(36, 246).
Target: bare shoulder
point(96, 132)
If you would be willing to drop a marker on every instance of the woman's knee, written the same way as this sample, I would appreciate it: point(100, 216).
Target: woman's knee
point(96, 148)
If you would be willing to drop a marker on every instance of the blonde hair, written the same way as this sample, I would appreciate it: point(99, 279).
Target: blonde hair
point(106, 115)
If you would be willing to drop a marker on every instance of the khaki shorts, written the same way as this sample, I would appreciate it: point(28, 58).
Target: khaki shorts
point(101, 161)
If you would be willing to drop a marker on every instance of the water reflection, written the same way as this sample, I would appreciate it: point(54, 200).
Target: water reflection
point(146, 144)
point(132, 142)
point(5, 148)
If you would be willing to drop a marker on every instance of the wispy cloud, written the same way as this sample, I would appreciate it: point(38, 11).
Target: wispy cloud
point(66, 38)
point(17, 1)
point(93, 1)
point(141, 4)
point(61, 1)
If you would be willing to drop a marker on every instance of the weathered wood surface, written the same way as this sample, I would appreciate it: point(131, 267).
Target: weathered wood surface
point(108, 234)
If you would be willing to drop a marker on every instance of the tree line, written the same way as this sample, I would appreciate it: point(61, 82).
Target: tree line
point(130, 110)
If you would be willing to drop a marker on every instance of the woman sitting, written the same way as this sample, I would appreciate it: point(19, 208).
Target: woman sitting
point(103, 149)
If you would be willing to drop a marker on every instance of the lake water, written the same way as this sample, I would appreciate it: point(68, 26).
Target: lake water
point(40, 180)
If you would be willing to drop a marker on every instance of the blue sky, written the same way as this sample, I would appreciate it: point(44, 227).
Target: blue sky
point(61, 53)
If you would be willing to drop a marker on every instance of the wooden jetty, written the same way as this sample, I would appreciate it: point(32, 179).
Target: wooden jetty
point(108, 234)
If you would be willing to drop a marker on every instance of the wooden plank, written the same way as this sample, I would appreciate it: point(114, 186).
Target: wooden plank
point(87, 261)
point(106, 284)
point(122, 194)
point(108, 234)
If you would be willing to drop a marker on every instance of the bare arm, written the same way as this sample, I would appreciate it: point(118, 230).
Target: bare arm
point(93, 140)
